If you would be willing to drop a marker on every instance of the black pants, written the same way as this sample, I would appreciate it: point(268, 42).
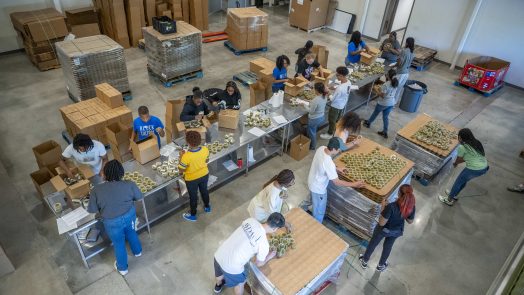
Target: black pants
point(333, 116)
point(193, 186)
point(375, 240)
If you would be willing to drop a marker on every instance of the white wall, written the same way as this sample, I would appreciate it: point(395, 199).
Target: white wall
point(374, 18)
point(402, 14)
point(353, 6)
point(74, 4)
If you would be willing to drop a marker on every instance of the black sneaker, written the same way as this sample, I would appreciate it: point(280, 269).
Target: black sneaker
point(366, 124)
point(382, 268)
point(218, 288)
point(363, 263)
point(383, 134)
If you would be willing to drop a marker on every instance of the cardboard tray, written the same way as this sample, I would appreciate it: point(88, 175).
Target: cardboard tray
point(316, 248)
point(367, 146)
point(412, 127)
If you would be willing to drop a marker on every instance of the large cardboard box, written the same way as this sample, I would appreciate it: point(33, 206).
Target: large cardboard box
point(309, 14)
point(228, 119)
point(77, 190)
point(322, 76)
point(40, 25)
point(182, 129)
point(47, 153)
point(258, 93)
point(247, 28)
point(109, 95)
point(81, 16)
point(295, 86)
point(145, 150)
point(299, 147)
point(322, 54)
point(198, 14)
point(41, 180)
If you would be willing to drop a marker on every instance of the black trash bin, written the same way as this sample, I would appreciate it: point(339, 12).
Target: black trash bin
point(412, 96)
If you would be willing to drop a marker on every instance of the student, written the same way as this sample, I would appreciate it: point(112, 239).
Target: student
point(323, 170)
point(114, 200)
point(194, 108)
point(270, 199)
point(193, 164)
point(385, 102)
point(280, 73)
point(302, 51)
point(390, 226)
point(349, 124)
point(338, 102)
point(146, 124)
point(404, 62)
point(85, 151)
point(471, 152)
point(307, 65)
point(229, 98)
point(390, 49)
point(355, 46)
point(317, 109)
point(248, 240)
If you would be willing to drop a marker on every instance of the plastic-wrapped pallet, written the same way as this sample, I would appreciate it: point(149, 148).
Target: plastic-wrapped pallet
point(89, 61)
point(247, 28)
point(172, 55)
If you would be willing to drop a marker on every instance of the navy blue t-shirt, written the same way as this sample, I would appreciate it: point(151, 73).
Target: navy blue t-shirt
point(395, 220)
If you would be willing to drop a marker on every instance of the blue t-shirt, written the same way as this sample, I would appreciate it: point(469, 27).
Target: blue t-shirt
point(142, 129)
point(279, 75)
point(352, 47)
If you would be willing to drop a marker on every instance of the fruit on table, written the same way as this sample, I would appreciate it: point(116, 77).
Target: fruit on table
point(436, 134)
point(281, 243)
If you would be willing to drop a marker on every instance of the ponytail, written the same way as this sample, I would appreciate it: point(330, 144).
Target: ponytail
point(406, 200)
point(410, 43)
point(284, 177)
point(394, 82)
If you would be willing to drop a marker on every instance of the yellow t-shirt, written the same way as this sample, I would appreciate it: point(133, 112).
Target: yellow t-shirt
point(195, 163)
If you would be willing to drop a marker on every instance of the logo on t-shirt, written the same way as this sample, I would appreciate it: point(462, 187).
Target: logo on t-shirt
point(146, 129)
point(251, 234)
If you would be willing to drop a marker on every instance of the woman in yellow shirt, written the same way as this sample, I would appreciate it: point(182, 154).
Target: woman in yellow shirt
point(193, 164)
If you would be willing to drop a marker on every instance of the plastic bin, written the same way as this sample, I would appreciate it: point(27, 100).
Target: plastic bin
point(412, 97)
point(164, 25)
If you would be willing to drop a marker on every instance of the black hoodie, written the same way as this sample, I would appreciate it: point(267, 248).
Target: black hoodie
point(191, 110)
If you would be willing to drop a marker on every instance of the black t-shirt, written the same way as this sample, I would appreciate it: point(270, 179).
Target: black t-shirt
point(302, 51)
point(306, 69)
point(395, 220)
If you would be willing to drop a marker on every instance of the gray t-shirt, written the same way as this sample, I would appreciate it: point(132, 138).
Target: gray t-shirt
point(389, 95)
point(390, 56)
point(404, 61)
point(317, 107)
point(113, 198)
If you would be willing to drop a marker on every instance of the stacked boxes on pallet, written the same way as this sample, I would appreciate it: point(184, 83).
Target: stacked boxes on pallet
point(247, 28)
point(92, 116)
point(92, 60)
point(172, 55)
point(40, 30)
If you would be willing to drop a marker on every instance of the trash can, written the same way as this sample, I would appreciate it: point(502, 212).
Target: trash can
point(413, 92)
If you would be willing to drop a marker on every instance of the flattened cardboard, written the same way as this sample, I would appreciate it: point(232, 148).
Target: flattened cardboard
point(85, 30)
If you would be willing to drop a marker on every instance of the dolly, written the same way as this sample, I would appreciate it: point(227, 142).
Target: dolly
point(217, 36)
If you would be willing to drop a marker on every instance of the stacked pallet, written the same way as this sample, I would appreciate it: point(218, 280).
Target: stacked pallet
point(40, 30)
point(247, 28)
point(423, 56)
point(92, 116)
point(89, 61)
point(173, 55)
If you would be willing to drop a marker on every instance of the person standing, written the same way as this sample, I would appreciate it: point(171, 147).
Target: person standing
point(349, 124)
point(404, 62)
point(307, 65)
point(280, 73)
point(248, 240)
point(270, 199)
point(146, 124)
point(193, 164)
point(355, 46)
point(322, 171)
point(390, 226)
point(114, 200)
point(85, 151)
point(338, 102)
point(194, 108)
point(390, 49)
point(302, 51)
point(385, 102)
point(471, 152)
point(317, 109)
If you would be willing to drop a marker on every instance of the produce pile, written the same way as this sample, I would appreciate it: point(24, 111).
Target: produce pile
point(217, 146)
point(193, 124)
point(308, 94)
point(255, 119)
point(71, 181)
point(145, 184)
point(363, 71)
point(167, 168)
point(281, 243)
point(375, 168)
point(436, 134)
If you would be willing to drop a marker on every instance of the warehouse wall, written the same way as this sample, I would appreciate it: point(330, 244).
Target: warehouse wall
point(374, 18)
point(402, 16)
point(353, 6)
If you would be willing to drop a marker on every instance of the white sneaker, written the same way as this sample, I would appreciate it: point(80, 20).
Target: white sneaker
point(138, 255)
point(122, 272)
point(447, 192)
point(325, 136)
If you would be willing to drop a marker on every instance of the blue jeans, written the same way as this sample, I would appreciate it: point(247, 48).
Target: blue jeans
point(193, 186)
point(375, 240)
point(463, 178)
point(385, 114)
point(312, 127)
point(319, 205)
point(119, 230)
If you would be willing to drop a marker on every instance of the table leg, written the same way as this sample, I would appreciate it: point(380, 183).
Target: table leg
point(77, 242)
point(370, 91)
point(146, 217)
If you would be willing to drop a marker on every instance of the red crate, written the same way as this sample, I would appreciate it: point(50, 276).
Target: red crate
point(484, 73)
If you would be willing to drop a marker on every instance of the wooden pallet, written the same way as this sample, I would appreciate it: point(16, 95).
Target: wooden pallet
point(310, 30)
point(168, 83)
point(474, 90)
point(237, 52)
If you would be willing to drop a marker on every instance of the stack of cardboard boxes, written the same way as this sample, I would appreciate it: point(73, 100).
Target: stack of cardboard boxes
point(247, 28)
point(40, 30)
point(92, 116)
point(83, 22)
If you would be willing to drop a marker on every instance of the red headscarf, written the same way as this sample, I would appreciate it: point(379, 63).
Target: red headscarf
point(406, 200)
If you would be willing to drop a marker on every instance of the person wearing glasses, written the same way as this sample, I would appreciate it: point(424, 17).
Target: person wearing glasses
point(338, 102)
point(280, 73)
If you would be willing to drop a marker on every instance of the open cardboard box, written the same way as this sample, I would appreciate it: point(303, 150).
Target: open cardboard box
point(145, 150)
point(77, 190)
point(295, 86)
point(369, 56)
point(202, 129)
point(47, 153)
point(322, 76)
point(299, 147)
point(228, 119)
point(41, 180)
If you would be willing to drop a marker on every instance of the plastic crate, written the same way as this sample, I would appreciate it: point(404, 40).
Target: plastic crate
point(484, 73)
point(164, 24)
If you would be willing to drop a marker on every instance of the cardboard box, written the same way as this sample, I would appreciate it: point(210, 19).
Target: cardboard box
point(257, 93)
point(322, 54)
point(180, 128)
point(119, 134)
point(40, 178)
point(81, 16)
point(170, 134)
point(299, 147)
point(167, 13)
point(295, 86)
point(174, 108)
point(373, 50)
point(40, 25)
point(308, 15)
point(247, 28)
point(47, 153)
point(197, 15)
point(366, 58)
point(150, 11)
point(228, 119)
point(134, 21)
point(145, 150)
point(85, 30)
point(185, 10)
point(322, 76)
point(118, 21)
point(77, 190)
point(109, 95)
point(160, 8)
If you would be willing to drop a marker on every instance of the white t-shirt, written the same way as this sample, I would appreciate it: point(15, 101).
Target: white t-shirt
point(322, 170)
point(265, 202)
point(92, 158)
point(341, 95)
point(246, 241)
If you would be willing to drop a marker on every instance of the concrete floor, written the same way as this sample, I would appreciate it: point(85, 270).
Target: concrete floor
point(456, 250)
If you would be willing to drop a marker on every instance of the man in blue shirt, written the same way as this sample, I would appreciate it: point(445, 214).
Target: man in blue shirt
point(145, 124)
